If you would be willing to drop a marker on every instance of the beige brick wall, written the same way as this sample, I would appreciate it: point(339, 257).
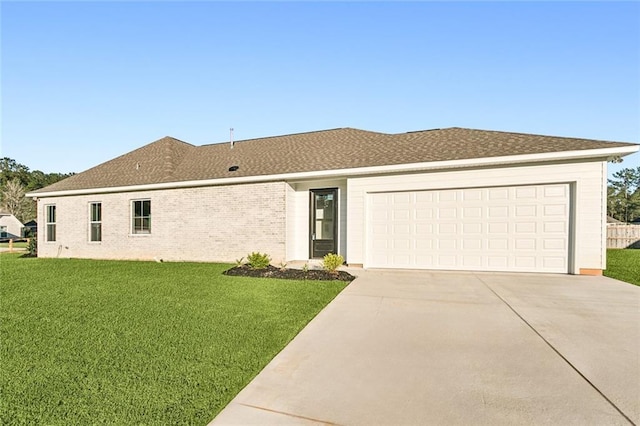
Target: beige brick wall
point(220, 223)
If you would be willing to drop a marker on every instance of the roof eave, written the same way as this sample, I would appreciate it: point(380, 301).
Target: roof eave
point(601, 153)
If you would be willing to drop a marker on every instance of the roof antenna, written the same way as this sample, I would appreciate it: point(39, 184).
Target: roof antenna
point(231, 136)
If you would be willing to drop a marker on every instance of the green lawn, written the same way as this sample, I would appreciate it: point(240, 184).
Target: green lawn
point(86, 342)
point(17, 244)
point(624, 265)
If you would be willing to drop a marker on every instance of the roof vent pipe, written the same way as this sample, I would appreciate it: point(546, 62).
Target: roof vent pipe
point(231, 136)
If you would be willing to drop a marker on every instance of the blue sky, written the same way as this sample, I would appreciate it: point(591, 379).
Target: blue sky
point(84, 82)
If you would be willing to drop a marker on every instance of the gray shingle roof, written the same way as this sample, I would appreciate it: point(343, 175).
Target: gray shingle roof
point(171, 160)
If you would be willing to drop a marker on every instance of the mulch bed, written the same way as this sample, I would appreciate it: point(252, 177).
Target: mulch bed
point(289, 274)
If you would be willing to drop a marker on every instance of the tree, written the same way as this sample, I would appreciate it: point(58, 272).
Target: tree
point(10, 169)
point(15, 180)
point(13, 199)
point(623, 195)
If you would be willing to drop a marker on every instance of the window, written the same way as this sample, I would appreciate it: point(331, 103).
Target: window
point(50, 212)
point(95, 222)
point(3, 232)
point(141, 217)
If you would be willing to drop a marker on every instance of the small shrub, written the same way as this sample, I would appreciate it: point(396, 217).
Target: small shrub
point(32, 246)
point(240, 262)
point(283, 266)
point(305, 268)
point(331, 262)
point(257, 260)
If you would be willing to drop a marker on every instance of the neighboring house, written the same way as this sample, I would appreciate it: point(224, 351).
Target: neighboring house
point(457, 199)
point(10, 227)
point(30, 228)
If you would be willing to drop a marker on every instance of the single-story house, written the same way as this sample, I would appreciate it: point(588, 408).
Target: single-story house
point(454, 199)
point(30, 228)
point(10, 227)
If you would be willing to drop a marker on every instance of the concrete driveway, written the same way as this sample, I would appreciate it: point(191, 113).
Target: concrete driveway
point(407, 347)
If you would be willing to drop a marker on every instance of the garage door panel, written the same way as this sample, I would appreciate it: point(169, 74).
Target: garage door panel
point(555, 210)
point(473, 194)
point(424, 213)
point(446, 244)
point(555, 227)
point(426, 260)
point(554, 262)
point(525, 227)
point(497, 262)
point(471, 261)
point(522, 228)
point(526, 192)
point(444, 196)
point(559, 191)
point(498, 193)
point(554, 244)
point(471, 228)
point(526, 211)
point(471, 244)
point(447, 261)
point(497, 244)
point(424, 229)
point(498, 227)
point(498, 212)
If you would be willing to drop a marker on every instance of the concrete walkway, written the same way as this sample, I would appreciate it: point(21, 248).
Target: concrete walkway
point(404, 347)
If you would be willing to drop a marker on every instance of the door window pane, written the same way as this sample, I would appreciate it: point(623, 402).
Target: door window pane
point(323, 222)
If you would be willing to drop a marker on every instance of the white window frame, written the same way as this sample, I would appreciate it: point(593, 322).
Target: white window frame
point(93, 222)
point(50, 224)
point(133, 230)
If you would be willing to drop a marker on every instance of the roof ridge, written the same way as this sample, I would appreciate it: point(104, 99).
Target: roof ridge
point(294, 134)
point(172, 139)
point(425, 130)
point(504, 132)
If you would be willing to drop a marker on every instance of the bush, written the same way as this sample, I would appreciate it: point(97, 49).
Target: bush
point(32, 246)
point(331, 262)
point(257, 260)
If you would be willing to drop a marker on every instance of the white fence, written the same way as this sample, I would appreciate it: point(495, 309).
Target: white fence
point(623, 236)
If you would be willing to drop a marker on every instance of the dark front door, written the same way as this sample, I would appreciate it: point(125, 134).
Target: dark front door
point(324, 222)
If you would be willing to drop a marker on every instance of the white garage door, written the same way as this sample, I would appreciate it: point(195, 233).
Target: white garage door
point(519, 228)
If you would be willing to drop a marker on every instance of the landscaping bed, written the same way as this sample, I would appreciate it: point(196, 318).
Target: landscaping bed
point(289, 274)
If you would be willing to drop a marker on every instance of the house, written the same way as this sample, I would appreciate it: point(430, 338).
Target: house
point(30, 228)
point(454, 198)
point(10, 227)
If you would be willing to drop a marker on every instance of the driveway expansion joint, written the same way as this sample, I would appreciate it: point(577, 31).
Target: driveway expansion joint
point(557, 351)
point(290, 415)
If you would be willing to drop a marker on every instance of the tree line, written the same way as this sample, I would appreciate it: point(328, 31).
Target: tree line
point(623, 195)
point(15, 181)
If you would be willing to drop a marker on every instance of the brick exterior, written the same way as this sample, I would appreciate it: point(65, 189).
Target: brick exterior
point(218, 223)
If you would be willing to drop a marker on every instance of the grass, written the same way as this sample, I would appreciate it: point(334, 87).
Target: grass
point(17, 244)
point(624, 265)
point(86, 342)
